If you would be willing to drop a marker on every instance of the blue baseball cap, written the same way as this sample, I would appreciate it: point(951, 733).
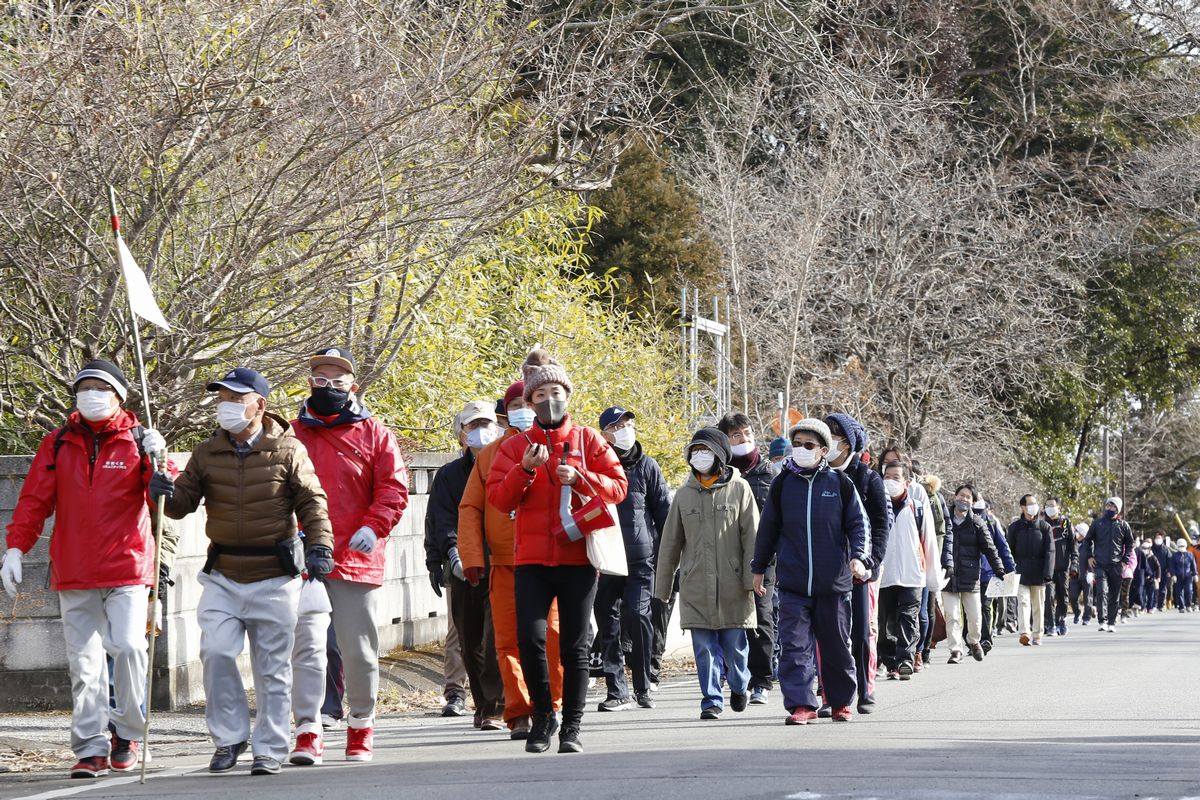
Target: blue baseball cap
point(241, 380)
point(614, 414)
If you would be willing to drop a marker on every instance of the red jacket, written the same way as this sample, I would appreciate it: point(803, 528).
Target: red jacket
point(539, 536)
point(95, 486)
point(362, 472)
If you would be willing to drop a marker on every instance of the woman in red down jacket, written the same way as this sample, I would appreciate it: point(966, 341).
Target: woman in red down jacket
point(527, 478)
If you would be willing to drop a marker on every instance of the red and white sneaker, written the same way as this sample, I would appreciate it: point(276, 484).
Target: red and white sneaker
point(842, 714)
point(90, 767)
point(309, 750)
point(124, 755)
point(359, 743)
point(801, 716)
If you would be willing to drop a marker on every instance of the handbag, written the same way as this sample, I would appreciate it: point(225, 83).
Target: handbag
point(939, 625)
point(597, 522)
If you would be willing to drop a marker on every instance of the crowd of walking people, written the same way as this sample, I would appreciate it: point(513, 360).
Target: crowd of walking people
point(818, 564)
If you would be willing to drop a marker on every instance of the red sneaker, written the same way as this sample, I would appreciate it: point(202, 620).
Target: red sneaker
point(801, 716)
point(90, 767)
point(842, 714)
point(359, 742)
point(309, 750)
point(124, 754)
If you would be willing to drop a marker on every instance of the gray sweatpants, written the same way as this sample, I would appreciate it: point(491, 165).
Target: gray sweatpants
point(309, 657)
point(228, 612)
point(95, 622)
point(356, 621)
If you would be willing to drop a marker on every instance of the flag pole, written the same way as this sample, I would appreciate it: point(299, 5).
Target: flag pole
point(158, 510)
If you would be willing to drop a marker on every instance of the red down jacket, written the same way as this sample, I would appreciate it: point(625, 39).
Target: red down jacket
point(539, 537)
point(358, 462)
point(95, 486)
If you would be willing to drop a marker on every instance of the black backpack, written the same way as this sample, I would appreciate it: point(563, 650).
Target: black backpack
point(138, 431)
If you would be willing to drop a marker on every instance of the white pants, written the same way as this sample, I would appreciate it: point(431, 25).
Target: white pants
point(266, 611)
point(96, 622)
point(1031, 601)
point(955, 604)
point(356, 623)
point(310, 657)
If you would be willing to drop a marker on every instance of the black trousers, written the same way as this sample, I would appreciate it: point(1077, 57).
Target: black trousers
point(860, 641)
point(762, 638)
point(899, 624)
point(1056, 599)
point(624, 602)
point(985, 609)
point(537, 586)
point(471, 609)
point(1108, 590)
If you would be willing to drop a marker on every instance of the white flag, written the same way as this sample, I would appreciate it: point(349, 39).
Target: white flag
point(141, 299)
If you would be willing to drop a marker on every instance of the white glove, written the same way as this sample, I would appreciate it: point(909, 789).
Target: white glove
point(154, 617)
point(1091, 578)
point(363, 540)
point(10, 571)
point(154, 444)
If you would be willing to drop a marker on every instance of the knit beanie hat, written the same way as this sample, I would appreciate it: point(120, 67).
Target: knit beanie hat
point(105, 371)
point(539, 369)
point(856, 434)
point(779, 447)
point(1116, 501)
point(814, 426)
point(715, 441)
point(513, 392)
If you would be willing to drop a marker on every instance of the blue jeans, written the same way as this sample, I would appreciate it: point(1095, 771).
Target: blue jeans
point(709, 646)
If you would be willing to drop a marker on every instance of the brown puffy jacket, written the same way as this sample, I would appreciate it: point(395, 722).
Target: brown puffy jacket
point(254, 502)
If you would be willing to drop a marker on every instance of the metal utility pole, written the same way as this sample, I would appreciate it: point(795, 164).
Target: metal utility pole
point(706, 400)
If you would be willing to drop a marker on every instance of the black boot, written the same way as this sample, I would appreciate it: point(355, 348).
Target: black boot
point(543, 728)
point(568, 740)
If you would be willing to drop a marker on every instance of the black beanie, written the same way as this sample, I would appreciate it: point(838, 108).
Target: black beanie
point(106, 371)
point(715, 441)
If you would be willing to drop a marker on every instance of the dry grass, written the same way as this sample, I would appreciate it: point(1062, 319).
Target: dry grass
point(14, 758)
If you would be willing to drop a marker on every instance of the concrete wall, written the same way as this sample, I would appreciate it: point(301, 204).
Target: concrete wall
point(33, 665)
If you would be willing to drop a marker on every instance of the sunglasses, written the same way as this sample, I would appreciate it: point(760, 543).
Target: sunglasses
point(807, 445)
point(321, 382)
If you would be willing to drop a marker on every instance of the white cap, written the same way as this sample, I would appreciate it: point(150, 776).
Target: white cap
point(476, 409)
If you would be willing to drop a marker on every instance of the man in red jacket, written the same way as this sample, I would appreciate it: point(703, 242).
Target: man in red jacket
point(358, 462)
point(92, 475)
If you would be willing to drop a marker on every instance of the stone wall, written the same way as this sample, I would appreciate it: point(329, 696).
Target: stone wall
point(33, 666)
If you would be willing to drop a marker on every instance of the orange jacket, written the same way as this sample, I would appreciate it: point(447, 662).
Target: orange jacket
point(477, 518)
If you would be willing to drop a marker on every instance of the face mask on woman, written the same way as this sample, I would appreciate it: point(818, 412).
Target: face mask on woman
point(702, 461)
point(521, 418)
point(551, 410)
point(94, 404)
point(804, 458)
point(962, 505)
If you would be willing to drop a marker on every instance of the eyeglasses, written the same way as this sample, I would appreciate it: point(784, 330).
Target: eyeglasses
point(807, 445)
point(620, 426)
point(321, 382)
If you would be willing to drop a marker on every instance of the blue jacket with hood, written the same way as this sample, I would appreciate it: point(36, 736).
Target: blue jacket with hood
point(815, 523)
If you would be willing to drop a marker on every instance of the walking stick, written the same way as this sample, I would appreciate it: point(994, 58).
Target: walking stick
point(158, 512)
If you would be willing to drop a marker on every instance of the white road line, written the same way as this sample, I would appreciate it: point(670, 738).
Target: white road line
point(105, 783)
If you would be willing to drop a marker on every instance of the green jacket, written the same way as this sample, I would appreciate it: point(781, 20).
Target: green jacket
point(709, 537)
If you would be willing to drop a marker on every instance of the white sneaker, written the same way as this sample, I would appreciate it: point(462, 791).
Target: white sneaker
point(330, 723)
point(1102, 628)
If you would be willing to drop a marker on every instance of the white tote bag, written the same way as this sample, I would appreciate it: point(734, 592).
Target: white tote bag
point(606, 546)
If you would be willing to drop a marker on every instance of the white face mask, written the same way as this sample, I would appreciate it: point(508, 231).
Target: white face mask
point(1052, 512)
point(1158, 541)
point(93, 404)
point(1032, 509)
point(232, 416)
point(624, 438)
point(894, 488)
point(805, 459)
point(702, 461)
point(742, 450)
point(481, 437)
point(521, 418)
point(835, 452)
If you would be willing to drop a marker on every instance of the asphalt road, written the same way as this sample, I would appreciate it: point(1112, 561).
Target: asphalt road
point(1091, 715)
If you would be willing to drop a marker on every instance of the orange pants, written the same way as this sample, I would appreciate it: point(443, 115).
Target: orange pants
point(502, 590)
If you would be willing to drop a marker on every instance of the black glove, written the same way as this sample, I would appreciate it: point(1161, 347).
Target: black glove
point(318, 561)
point(161, 485)
point(1047, 579)
point(437, 578)
point(164, 576)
